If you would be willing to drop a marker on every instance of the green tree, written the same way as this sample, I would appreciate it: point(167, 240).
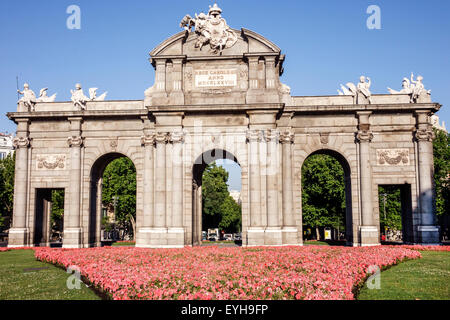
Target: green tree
point(323, 193)
point(441, 152)
point(57, 214)
point(119, 182)
point(214, 194)
point(231, 216)
point(7, 167)
point(391, 213)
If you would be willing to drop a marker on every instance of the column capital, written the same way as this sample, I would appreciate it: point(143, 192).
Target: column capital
point(75, 141)
point(161, 137)
point(254, 135)
point(177, 137)
point(286, 137)
point(22, 142)
point(272, 135)
point(424, 135)
point(364, 136)
point(148, 139)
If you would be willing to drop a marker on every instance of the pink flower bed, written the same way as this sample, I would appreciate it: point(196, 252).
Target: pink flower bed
point(311, 272)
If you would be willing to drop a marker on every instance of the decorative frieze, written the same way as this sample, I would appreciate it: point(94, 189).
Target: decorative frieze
point(23, 142)
point(51, 162)
point(324, 138)
point(393, 157)
point(75, 141)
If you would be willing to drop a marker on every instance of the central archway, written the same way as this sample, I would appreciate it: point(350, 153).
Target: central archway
point(347, 193)
point(96, 211)
point(200, 164)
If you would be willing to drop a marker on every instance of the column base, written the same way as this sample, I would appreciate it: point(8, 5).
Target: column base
point(160, 238)
point(18, 237)
point(290, 236)
point(255, 237)
point(428, 235)
point(72, 238)
point(369, 236)
point(273, 236)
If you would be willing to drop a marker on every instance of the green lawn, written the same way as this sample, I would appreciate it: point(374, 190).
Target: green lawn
point(422, 279)
point(24, 278)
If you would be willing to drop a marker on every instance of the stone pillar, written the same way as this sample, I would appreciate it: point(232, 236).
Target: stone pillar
point(160, 181)
point(19, 233)
point(176, 230)
point(144, 226)
point(428, 232)
point(72, 229)
point(256, 231)
point(273, 234)
point(176, 95)
point(369, 234)
point(289, 226)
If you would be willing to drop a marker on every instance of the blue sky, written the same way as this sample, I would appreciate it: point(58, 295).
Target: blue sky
point(326, 43)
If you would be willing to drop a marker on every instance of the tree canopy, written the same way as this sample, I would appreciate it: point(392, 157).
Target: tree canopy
point(441, 152)
point(219, 208)
point(119, 188)
point(7, 167)
point(323, 192)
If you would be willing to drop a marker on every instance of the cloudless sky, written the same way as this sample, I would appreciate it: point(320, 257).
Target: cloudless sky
point(326, 43)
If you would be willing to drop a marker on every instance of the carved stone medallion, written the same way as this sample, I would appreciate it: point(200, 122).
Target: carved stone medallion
point(51, 162)
point(393, 157)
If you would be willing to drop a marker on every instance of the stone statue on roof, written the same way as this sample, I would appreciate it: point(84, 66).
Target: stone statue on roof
point(211, 29)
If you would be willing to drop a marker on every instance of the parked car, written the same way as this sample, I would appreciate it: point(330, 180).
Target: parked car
point(204, 236)
point(237, 237)
point(228, 237)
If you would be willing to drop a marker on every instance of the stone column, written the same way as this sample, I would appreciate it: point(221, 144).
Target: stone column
point(144, 226)
point(176, 230)
point(19, 233)
point(369, 234)
point(255, 231)
point(289, 226)
point(273, 231)
point(428, 232)
point(72, 230)
point(160, 181)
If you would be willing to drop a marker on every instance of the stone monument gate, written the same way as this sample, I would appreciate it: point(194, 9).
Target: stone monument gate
point(217, 94)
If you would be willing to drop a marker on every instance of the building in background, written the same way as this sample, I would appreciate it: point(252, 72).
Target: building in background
point(6, 145)
point(436, 124)
point(236, 195)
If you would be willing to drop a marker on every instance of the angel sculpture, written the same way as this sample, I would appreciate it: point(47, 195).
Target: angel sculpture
point(93, 95)
point(44, 98)
point(29, 97)
point(78, 98)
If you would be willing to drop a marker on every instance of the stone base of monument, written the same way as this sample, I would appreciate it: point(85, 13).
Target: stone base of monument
point(160, 238)
point(72, 238)
point(290, 236)
point(369, 236)
point(17, 237)
point(273, 237)
point(255, 237)
point(428, 235)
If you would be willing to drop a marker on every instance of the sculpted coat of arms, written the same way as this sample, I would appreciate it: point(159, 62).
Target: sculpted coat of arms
point(211, 29)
